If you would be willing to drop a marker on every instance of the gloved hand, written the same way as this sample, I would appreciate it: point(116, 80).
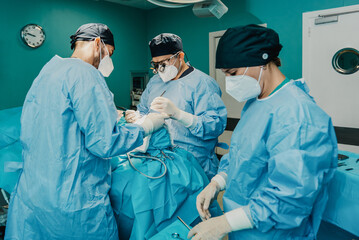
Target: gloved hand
point(205, 198)
point(166, 106)
point(132, 116)
point(119, 114)
point(153, 122)
point(212, 229)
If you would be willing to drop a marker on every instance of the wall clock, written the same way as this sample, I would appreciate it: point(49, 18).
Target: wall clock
point(33, 35)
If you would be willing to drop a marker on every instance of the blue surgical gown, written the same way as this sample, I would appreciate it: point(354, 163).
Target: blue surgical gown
point(198, 94)
point(282, 156)
point(68, 132)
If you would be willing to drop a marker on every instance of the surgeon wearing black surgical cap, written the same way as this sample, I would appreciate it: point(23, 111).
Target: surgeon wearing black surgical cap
point(69, 131)
point(190, 98)
point(283, 151)
point(94, 43)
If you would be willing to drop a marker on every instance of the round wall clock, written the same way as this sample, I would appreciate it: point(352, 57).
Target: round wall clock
point(33, 35)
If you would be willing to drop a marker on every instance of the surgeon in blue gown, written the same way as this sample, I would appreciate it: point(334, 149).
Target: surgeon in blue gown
point(191, 99)
point(68, 133)
point(283, 151)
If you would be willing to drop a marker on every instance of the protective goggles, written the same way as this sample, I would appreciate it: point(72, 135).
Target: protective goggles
point(160, 66)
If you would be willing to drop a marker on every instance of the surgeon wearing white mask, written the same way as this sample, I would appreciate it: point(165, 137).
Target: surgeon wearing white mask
point(96, 53)
point(283, 150)
point(190, 98)
point(250, 82)
point(69, 132)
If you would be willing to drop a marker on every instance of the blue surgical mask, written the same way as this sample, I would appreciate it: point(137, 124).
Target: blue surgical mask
point(243, 87)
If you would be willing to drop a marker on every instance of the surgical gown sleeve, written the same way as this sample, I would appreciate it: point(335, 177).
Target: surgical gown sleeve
point(142, 106)
point(96, 115)
point(210, 111)
point(224, 163)
point(300, 155)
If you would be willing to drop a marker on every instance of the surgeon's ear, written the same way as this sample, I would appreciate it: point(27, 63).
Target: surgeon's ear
point(97, 43)
point(181, 54)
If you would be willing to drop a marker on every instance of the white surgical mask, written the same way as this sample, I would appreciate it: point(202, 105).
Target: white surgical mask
point(169, 73)
point(106, 65)
point(243, 87)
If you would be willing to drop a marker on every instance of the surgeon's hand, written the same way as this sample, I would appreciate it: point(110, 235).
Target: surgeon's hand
point(212, 229)
point(153, 122)
point(164, 105)
point(132, 116)
point(205, 198)
point(119, 114)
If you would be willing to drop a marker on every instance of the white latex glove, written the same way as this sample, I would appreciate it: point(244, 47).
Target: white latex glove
point(153, 122)
point(132, 116)
point(238, 218)
point(205, 198)
point(166, 106)
point(212, 229)
point(119, 114)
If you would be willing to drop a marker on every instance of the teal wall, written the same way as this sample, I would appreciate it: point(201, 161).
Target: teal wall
point(19, 64)
point(284, 16)
point(133, 28)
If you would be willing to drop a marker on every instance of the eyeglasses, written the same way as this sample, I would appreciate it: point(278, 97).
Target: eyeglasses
point(160, 66)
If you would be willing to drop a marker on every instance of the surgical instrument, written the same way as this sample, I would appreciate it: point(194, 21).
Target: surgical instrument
point(176, 236)
point(341, 164)
point(163, 93)
point(183, 222)
point(129, 155)
point(342, 157)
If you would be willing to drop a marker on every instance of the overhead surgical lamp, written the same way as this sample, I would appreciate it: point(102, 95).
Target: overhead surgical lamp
point(201, 8)
point(168, 4)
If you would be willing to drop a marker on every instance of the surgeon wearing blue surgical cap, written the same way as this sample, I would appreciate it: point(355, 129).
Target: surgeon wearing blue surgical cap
point(190, 98)
point(69, 131)
point(283, 151)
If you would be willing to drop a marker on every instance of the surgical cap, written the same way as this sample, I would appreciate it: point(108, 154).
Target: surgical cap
point(90, 31)
point(247, 46)
point(164, 44)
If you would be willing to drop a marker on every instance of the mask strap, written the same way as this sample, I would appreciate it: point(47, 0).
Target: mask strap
point(105, 47)
point(242, 75)
point(260, 75)
point(245, 71)
point(100, 50)
point(175, 61)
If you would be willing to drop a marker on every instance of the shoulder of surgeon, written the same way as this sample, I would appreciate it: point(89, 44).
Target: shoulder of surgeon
point(202, 83)
point(293, 104)
point(198, 77)
point(77, 71)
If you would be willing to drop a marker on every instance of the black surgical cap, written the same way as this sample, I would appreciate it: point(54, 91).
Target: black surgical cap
point(90, 31)
point(247, 46)
point(164, 44)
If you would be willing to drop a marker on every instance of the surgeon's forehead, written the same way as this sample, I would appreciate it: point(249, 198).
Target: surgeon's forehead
point(161, 58)
point(233, 70)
